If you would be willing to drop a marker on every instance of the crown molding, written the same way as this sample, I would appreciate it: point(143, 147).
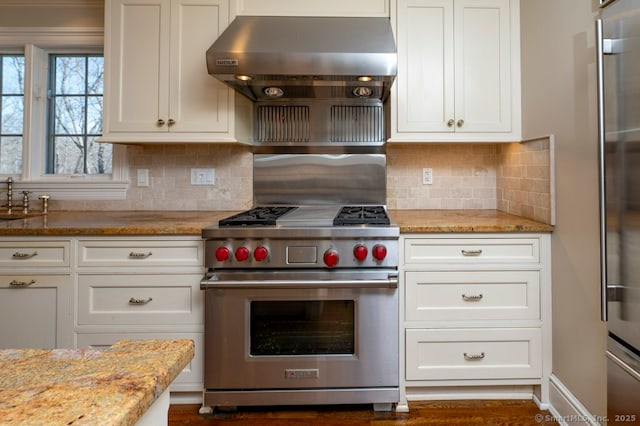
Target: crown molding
point(51, 36)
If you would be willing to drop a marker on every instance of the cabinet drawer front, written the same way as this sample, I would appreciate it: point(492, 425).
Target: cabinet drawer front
point(466, 354)
point(140, 253)
point(34, 254)
point(139, 299)
point(480, 250)
point(472, 295)
point(190, 379)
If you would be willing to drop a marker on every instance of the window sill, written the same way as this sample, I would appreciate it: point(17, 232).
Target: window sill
point(71, 189)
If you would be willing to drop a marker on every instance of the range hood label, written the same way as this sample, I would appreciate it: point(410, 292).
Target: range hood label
point(227, 62)
point(301, 373)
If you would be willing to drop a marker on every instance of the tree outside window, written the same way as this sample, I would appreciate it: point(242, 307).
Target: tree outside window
point(75, 116)
point(12, 70)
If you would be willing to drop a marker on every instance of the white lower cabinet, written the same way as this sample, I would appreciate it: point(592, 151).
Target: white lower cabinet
point(467, 353)
point(35, 311)
point(142, 288)
point(475, 316)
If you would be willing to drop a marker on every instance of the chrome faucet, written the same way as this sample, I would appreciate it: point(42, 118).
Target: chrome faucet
point(25, 200)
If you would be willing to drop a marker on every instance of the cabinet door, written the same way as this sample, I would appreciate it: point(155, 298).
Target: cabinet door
point(425, 81)
point(35, 311)
point(198, 102)
point(136, 65)
point(482, 66)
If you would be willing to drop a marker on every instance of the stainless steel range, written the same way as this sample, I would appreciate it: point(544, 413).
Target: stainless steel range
point(302, 302)
point(301, 293)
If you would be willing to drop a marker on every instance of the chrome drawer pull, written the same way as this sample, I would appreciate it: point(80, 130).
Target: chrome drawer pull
point(471, 252)
point(472, 298)
point(21, 256)
point(134, 301)
point(16, 283)
point(138, 255)
point(473, 357)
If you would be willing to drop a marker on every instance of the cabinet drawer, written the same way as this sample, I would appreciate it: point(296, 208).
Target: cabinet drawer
point(466, 354)
point(140, 253)
point(471, 251)
point(190, 379)
point(34, 254)
point(472, 295)
point(139, 299)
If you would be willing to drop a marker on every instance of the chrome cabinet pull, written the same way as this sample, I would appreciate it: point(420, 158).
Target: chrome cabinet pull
point(139, 255)
point(473, 357)
point(460, 123)
point(134, 301)
point(16, 283)
point(21, 255)
point(160, 122)
point(471, 253)
point(450, 123)
point(472, 298)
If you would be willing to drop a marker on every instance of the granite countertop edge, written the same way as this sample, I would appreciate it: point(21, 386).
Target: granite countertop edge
point(115, 386)
point(191, 223)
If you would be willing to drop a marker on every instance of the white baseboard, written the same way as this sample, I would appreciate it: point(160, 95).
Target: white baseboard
point(470, 392)
point(566, 408)
point(181, 398)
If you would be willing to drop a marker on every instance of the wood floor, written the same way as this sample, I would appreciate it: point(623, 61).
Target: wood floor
point(476, 412)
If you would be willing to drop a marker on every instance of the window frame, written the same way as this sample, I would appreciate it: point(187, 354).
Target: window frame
point(36, 44)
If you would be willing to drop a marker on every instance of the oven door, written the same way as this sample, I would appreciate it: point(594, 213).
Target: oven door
point(301, 330)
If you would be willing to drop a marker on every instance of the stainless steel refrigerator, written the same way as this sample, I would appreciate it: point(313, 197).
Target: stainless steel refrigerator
point(618, 46)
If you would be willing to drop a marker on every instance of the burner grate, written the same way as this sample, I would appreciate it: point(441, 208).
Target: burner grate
point(256, 216)
point(361, 215)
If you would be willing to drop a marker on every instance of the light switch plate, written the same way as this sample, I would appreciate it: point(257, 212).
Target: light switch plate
point(203, 176)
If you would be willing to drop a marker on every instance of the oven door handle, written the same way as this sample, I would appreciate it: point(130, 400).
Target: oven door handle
point(391, 282)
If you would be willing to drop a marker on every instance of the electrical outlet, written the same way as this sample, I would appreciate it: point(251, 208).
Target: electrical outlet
point(427, 176)
point(143, 177)
point(203, 176)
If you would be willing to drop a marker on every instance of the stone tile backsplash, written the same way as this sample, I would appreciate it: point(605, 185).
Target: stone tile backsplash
point(513, 177)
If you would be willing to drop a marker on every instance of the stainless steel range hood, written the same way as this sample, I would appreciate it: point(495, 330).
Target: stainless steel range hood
point(273, 57)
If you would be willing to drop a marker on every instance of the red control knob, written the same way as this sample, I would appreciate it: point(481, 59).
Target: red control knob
point(260, 253)
point(222, 254)
point(242, 254)
point(331, 258)
point(360, 252)
point(379, 252)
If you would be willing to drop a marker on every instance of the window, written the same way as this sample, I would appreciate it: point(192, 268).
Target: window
point(51, 92)
point(12, 116)
point(75, 116)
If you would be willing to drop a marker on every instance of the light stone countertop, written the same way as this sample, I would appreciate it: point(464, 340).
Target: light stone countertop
point(85, 386)
point(96, 223)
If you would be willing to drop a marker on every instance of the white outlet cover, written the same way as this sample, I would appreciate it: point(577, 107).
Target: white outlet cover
point(427, 176)
point(143, 177)
point(203, 176)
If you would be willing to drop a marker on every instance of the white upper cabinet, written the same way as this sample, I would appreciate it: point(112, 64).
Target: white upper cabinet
point(157, 88)
point(378, 8)
point(458, 71)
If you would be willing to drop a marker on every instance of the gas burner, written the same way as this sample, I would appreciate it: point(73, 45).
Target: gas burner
point(266, 215)
point(361, 215)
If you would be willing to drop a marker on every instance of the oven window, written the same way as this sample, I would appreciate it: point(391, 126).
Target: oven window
point(313, 327)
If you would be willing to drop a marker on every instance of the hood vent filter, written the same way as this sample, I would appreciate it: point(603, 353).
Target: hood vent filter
point(344, 124)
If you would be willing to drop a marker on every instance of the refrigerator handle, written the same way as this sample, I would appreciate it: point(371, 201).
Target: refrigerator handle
point(601, 170)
